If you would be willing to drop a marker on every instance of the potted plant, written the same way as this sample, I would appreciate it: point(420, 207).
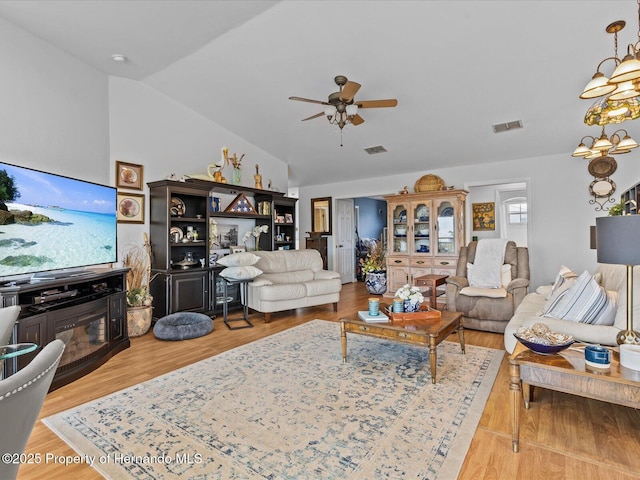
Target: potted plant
point(375, 269)
point(617, 209)
point(139, 310)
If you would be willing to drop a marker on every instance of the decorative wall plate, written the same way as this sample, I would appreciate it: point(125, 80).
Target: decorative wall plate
point(176, 230)
point(177, 207)
point(602, 167)
point(422, 214)
point(447, 212)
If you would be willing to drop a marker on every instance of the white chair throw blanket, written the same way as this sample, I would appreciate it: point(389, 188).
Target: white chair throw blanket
point(487, 266)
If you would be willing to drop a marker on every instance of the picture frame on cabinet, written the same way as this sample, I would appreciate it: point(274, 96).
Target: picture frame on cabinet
point(237, 249)
point(130, 207)
point(288, 218)
point(129, 175)
point(227, 235)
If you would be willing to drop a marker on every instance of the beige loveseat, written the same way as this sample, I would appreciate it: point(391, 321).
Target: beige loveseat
point(292, 279)
point(612, 278)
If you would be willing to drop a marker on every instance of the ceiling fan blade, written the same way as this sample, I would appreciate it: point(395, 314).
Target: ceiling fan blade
point(357, 119)
point(392, 102)
point(321, 114)
point(349, 91)
point(300, 99)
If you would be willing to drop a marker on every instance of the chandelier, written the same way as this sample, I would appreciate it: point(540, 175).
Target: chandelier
point(622, 89)
point(341, 114)
point(602, 146)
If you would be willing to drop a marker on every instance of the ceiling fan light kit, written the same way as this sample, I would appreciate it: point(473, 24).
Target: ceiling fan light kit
point(341, 108)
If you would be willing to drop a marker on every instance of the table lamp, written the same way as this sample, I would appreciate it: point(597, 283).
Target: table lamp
point(617, 242)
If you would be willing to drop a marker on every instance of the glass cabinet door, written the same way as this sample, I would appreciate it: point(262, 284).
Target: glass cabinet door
point(421, 230)
point(446, 228)
point(400, 230)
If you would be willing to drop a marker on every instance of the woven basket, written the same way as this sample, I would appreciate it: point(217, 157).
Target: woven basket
point(429, 183)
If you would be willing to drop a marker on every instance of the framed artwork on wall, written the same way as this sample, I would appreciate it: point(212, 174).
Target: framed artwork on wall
point(130, 207)
point(237, 248)
point(483, 216)
point(129, 175)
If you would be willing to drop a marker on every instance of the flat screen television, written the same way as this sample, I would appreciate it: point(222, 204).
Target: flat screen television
point(52, 225)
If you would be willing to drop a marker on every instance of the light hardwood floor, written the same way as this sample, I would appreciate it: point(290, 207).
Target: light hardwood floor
point(562, 436)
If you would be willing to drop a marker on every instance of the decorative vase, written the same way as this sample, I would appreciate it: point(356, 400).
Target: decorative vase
point(237, 176)
point(138, 320)
point(376, 282)
point(411, 307)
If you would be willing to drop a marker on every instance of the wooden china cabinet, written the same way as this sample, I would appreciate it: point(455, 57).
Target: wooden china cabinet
point(425, 233)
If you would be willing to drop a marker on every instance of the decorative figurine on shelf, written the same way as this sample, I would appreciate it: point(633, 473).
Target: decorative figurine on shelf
point(258, 178)
point(404, 191)
point(235, 162)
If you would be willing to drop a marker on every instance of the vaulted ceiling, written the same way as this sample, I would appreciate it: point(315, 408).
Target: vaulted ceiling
point(456, 68)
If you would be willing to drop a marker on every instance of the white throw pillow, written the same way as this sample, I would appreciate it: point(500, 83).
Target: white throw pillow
point(242, 259)
point(564, 274)
point(240, 273)
point(586, 302)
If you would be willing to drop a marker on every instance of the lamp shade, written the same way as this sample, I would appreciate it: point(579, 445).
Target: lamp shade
point(629, 69)
point(598, 86)
point(617, 239)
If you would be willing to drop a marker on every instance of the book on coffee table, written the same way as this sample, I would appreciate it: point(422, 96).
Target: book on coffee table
point(380, 318)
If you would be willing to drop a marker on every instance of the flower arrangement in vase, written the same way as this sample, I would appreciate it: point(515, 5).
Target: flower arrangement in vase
point(374, 267)
point(255, 232)
point(139, 301)
point(235, 162)
point(374, 261)
point(411, 296)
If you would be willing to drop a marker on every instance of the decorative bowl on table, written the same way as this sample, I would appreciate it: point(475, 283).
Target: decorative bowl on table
point(541, 339)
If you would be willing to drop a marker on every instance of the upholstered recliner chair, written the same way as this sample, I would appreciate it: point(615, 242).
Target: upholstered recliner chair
point(489, 309)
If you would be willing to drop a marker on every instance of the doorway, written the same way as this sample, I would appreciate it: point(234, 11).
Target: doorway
point(511, 207)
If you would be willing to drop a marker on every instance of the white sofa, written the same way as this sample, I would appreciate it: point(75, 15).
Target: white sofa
point(292, 279)
point(614, 277)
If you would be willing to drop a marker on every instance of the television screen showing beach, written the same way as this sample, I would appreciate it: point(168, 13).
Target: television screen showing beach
point(50, 222)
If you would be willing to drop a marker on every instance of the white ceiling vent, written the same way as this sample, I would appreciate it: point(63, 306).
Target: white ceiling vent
point(505, 127)
point(376, 149)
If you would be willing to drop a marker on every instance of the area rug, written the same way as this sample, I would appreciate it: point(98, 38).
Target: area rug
point(287, 407)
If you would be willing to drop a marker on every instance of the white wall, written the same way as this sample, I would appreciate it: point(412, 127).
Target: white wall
point(560, 213)
point(60, 115)
point(150, 129)
point(54, 113)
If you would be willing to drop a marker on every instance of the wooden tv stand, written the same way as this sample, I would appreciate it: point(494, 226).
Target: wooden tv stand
point(88, 312)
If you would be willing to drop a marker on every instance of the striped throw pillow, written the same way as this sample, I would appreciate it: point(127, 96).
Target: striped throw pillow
point(586, 302)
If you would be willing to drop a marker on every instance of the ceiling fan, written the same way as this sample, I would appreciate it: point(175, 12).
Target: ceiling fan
point(341, 107)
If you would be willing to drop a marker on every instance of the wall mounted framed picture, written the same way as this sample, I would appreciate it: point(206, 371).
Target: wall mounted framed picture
point(237, 248)
point(483, 216)
point(130, 207)
point(129, 175)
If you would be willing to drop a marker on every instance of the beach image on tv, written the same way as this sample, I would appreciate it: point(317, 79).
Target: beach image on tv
point(51, 222)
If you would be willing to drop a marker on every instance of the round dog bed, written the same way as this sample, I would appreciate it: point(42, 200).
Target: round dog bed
point(182, 326)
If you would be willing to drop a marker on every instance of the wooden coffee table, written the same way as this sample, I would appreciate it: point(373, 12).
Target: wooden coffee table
point(566, 372)
point(430, 332)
